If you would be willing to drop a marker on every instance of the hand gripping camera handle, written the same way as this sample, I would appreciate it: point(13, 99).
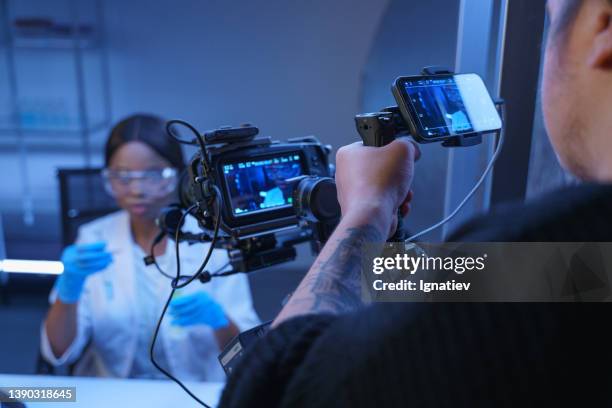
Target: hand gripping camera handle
point(377, 130)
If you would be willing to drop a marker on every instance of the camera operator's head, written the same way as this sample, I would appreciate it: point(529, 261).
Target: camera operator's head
point(577, 86)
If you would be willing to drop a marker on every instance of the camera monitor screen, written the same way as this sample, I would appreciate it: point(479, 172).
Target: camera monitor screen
point(449, 105)
point(260, 184)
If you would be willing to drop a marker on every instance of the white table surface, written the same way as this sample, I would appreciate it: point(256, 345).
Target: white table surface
point(103, 392)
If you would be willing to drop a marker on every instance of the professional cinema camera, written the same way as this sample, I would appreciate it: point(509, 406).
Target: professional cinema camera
point(259, 197)
point(253, 196)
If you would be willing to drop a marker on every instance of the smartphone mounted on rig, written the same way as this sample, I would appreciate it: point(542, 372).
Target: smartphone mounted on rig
point(436, 106)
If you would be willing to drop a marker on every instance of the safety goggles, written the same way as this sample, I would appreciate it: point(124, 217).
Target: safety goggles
point(157, 182)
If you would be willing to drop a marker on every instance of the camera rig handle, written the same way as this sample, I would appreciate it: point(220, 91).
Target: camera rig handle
point(378, 129)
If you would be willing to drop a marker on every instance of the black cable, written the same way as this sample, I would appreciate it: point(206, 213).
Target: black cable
point(163, 313)
point(198, 138)
point(219, 202)
point(176, 280)
point(156, 242)
point(171, 133)
point(161, 271)
point(154, 260)
point(212, 244)
point(222, 274)
point(219, 269)
point(176, 244)
point(202, 144)
point(151, 356)
point(500, 143)
point(176, 285)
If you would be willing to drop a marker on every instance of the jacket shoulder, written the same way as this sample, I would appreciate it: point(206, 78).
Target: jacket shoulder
point(574, 214)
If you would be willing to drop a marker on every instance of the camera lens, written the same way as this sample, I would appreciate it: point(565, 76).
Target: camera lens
point(316, 200)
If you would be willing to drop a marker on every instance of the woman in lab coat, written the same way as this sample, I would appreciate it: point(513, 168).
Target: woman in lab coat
point(106, 304)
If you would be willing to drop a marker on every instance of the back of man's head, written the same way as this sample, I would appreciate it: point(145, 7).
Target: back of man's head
point(577, 86)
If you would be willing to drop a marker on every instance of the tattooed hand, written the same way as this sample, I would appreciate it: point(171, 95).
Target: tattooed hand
point(376, 178)
point(372, 184)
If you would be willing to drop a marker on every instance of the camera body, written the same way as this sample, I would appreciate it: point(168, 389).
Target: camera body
point(255, 178)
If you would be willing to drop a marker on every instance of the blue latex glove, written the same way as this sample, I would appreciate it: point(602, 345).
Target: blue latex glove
point(198, 308)
point(80, 261)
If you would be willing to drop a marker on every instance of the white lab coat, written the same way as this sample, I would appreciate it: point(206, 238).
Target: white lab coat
point(106, 314)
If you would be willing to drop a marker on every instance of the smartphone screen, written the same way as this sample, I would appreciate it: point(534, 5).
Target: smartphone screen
point(446, 105)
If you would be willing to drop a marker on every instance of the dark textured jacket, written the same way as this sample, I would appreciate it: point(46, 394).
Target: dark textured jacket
point(444, 354)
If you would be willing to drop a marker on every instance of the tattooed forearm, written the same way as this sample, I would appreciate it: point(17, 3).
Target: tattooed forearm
point(336, 287)
point(333, 283)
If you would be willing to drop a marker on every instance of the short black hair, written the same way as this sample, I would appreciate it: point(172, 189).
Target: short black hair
point(148, 129)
